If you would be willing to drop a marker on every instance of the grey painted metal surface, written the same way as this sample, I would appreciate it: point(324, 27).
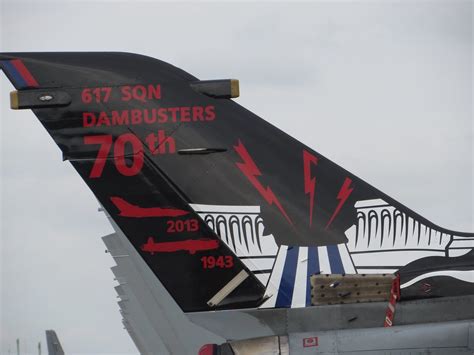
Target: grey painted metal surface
point(431, 338)
point(170, 324)
point(145, 336)
point(265, 345)
point(259, 323)
point(135, 321)
point(236, 325)
point(135, 337)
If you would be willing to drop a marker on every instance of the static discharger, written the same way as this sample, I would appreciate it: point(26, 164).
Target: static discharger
point(219, 89)
point(26, 99)
point(358, 288)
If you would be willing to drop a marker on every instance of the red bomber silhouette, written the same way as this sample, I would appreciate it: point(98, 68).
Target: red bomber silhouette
point(189, 245)
point(129, 210)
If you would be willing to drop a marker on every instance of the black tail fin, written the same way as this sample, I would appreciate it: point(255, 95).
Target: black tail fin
point(54, 345)
point(180, 167)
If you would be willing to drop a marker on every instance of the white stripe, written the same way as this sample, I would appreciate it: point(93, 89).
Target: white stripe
point(376, 271)
point(228, 288)
point(370, 203)
point(275, 278)
point(224, 208)
point(258, 263)
point(299, 290)
point(464, 275)
point(453, 252)
point(324, 266)
point(346, 259)
point(396, 258)
point(263, 278)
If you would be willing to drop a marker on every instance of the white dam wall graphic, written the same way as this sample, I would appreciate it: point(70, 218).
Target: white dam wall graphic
point(382, 240)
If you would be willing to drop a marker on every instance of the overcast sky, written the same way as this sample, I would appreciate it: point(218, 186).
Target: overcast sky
point(384, 89)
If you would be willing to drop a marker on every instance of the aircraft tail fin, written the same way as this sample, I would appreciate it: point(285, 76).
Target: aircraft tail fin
point(219, 203)
point(68, 92)
point(54, 345)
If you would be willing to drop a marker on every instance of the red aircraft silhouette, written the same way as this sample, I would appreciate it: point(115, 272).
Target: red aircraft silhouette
point(129, 210)
point(190, 245)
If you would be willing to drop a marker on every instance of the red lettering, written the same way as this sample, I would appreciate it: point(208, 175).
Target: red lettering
point(198, 112)
point(160, 143)
point(221, 262)
point(119, 118)
point(139, 93)
point(119, 154)
point(162, 116)
point(154, 92)
point(88, 119)
point(105, 142)
point(167, 144)
point(149, 116)
point(192, 225)
point(86, 96)
point(136, 116)
point(229, 261)
point(107, 91)
point(152, 142)
point(150, 119)
point(189, 225)
point(174, 111)
point(210, 113)
point(103, 120)
point(126, 93)
point(97, 94)
point(185, 114)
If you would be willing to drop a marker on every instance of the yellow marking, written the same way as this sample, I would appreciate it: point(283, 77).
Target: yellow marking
point(14, 101)
point(234, 88)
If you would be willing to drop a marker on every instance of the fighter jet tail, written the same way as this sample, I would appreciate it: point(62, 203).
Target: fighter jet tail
point(226, 210)
point(54, 345)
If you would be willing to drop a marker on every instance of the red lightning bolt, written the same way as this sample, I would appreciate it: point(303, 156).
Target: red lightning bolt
point(309, 183)
point(251, 171)
point(342, 196)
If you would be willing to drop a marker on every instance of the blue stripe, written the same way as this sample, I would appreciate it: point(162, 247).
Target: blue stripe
point(287, 283)
point(313, 268)
point(14, 74)
point(335, 260)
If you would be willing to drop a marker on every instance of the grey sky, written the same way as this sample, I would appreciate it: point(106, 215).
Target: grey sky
point(382, 88)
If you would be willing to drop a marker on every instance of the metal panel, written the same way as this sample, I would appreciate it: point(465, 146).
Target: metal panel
point(440, 338)
point(237, 324)
point(262, 346)
point(170, 324)
point(135, 319)
point(337, 288)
